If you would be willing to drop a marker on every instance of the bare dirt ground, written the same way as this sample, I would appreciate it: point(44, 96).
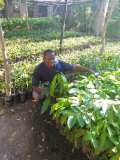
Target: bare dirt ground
point(24, 135)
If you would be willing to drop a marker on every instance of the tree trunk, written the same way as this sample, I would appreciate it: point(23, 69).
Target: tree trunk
point(23, 8)
point(24, 11)
point(8, 8)
point(6, 64)
point(101, 12)
point(63, 26)
point(109, 15)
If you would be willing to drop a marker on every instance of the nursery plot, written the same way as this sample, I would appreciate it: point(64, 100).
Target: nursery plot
point(79, 117)
point(18, 48)
point(87, 113)
point(21, 72)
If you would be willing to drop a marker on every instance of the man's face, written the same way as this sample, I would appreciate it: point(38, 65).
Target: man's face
point(49, 60)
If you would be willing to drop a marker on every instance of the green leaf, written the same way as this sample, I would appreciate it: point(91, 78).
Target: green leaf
point(116, 125)
point(45, 105)
point(112, 137)
point(71, 122)
point(74, 91)
point(103, 142)
point(63, 119)
point(87, 136)
point(94, 142)
point(81, 121)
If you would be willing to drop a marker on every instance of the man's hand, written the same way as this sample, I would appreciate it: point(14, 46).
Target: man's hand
point(37, 94)
point(96, 74)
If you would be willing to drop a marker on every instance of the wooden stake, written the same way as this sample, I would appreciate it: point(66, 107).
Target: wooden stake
point(63, 26)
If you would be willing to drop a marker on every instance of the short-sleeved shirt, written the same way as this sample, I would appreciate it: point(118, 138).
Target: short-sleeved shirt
point(43, 74)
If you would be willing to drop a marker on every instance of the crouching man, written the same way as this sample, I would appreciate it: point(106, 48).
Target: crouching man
point(47, 69)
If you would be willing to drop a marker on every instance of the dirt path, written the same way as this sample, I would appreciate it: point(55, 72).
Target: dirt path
point(24, 136)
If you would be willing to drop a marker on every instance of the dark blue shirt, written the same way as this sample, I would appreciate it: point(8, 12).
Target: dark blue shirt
point(43, 74)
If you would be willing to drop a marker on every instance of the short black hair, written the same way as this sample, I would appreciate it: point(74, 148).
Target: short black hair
point(47, 52)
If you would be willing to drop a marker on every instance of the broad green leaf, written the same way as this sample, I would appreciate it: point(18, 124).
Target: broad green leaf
point(103, 142)
point(90, 85)
point(71, 121)
point(94, 142)
point(74, 91)
point(86, 119)
point(63, 119)
point(87, 136)
point(75, 101)
point(81, 121)
point(114, 124)
point(112, 137)
point(45, 106)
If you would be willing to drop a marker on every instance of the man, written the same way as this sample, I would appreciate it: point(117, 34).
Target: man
point(46, 70)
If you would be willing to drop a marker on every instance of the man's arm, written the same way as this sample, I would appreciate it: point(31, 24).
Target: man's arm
point(71, 69)
point(74, 68)
point(78, 68)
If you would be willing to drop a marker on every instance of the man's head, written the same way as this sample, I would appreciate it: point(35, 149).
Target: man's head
point(49, 58)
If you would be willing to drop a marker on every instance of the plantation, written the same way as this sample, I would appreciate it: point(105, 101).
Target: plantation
point(87, 112)
point(25, 56)
point(84, 107)
point(83, 111)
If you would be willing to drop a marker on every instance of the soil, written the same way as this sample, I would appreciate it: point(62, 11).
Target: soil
point(26, 135)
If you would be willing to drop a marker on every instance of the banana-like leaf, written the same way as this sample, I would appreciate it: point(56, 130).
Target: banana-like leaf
point(71, 121)
point(46, 105)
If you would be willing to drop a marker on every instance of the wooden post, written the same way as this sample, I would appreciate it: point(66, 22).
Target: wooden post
point(23, 8)
point(63, 26)
point(6, 64)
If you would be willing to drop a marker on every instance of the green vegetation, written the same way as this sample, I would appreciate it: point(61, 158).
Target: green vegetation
point(24, 47)
point(14, 24)
point(48, 28)
point(75, 53)
point(88, 113)
point(113, 30)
